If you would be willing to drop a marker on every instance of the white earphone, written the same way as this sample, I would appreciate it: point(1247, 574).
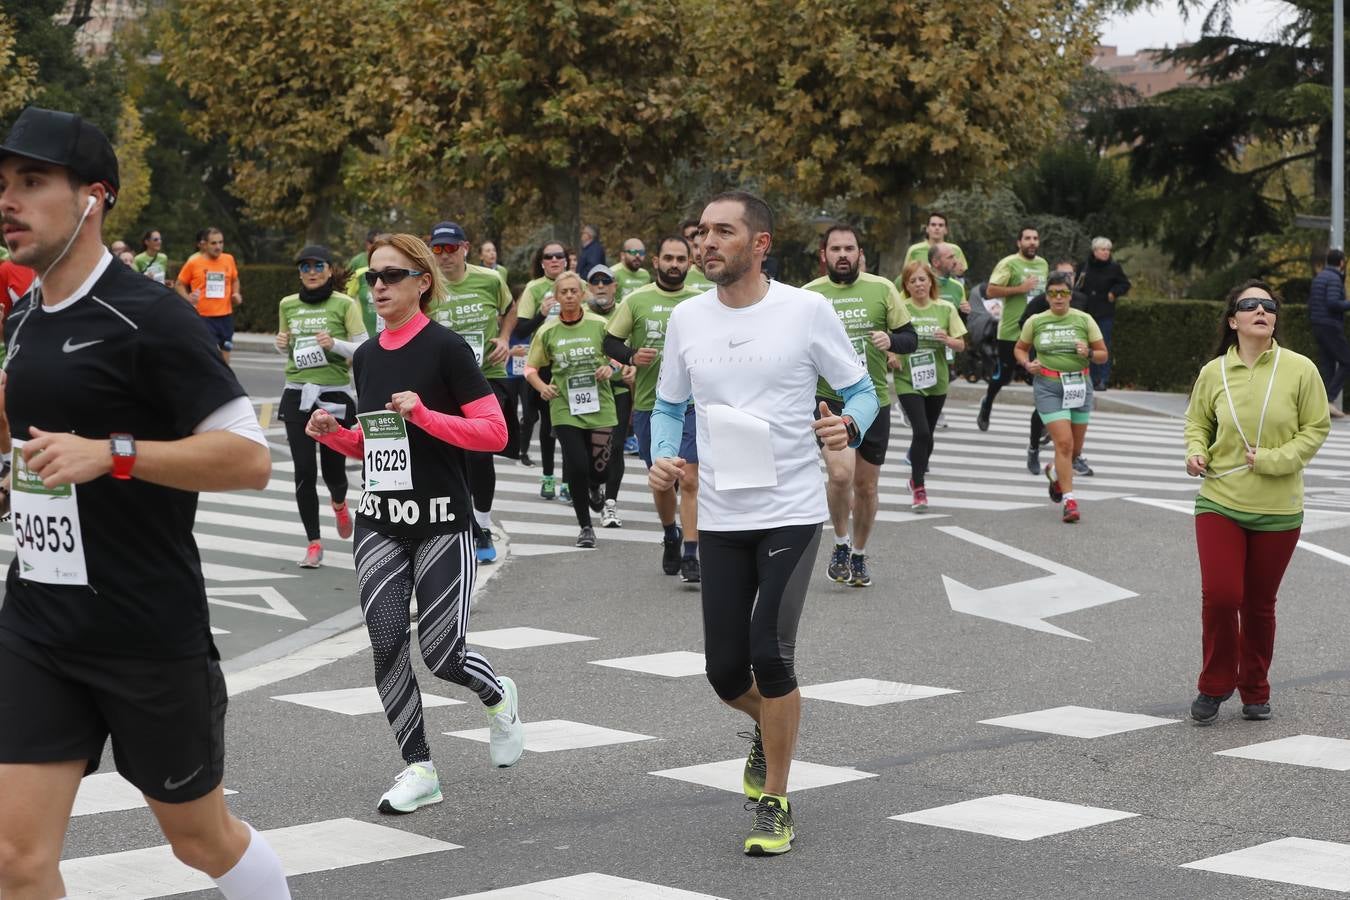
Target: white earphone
point(89, 207)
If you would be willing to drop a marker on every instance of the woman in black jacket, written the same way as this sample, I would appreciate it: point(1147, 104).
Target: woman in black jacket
point(1104, 282)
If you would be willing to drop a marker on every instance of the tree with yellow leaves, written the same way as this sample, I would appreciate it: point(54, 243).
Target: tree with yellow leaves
point(884, 104)
point(18, 74)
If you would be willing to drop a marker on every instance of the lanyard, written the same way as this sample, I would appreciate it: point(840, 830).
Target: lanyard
point(1260, 424)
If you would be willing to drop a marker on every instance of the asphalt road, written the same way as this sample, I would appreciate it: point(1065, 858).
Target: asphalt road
point(1130, 808)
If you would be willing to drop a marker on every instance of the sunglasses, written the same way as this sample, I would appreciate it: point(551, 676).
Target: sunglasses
point(391, 276)
point(1247, 304)
point(602, 279)
point(445, 249)
point(555, 256)
point(637, 253)
point(1059, 293)
point(317, 266)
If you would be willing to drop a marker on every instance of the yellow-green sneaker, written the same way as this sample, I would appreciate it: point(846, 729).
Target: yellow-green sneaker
point(756, 770)
point(772, 831)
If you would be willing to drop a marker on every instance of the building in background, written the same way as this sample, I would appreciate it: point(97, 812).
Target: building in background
point(1144, 71)
point(96, 22)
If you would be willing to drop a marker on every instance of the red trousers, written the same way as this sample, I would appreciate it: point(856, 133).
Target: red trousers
point(1240, 572)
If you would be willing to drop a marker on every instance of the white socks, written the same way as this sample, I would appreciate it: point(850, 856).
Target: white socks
point(484, 519)
point(841, 538)
point(1068, 496)
point(258, 874)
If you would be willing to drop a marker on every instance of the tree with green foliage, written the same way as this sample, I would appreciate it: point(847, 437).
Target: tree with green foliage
point(1223, 159)
point(64, 80)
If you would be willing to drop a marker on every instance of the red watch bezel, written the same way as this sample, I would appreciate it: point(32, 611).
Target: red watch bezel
point(122, 463)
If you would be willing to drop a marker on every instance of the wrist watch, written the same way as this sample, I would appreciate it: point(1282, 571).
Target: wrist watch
point(853, 433)
point(123, 455)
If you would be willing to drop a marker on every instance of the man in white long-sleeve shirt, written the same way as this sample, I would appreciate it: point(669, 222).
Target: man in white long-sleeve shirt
point(750, 353)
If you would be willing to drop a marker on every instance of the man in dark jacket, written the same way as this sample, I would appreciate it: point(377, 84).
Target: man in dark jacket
point(592, 251)
point(1104, 282)
point(1326, 313)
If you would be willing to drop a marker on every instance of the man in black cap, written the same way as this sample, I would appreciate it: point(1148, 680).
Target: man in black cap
point(121, 411)
point(478, 307)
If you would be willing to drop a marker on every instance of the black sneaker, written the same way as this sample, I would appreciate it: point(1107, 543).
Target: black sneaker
point(670, 553)
point(526, 461)
point(1205, 707)
point(1034, 460)
point(982, 420)
point(838, 570)
point(596, 498)
point(1045, 439)
point(586, 538)
point(1256, 712)
point(1081, 467)
point(689, 570)
point(858, 574)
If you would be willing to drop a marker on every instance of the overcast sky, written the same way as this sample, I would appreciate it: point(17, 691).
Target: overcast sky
point(1164, 25)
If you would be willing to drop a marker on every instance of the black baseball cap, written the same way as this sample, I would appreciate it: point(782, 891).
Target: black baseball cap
point(64, 139)
point(317, 252)
point(448, 233)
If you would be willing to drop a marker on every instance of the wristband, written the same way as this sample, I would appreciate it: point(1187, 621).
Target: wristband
point(123, 448)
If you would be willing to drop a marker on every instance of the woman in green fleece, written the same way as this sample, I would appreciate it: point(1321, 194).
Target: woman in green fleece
point(1258, 414)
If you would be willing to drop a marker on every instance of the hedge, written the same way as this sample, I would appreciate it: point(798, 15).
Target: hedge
point(1160, 345)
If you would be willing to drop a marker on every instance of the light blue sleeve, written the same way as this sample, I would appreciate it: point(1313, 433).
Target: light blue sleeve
point(860, 404)
point(667, 428)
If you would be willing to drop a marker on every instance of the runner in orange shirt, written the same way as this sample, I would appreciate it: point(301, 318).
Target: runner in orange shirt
point(210, 282)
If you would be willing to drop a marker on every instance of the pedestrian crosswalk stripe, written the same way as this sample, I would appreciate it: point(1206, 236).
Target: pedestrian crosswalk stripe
point(871, 692)
point(727, 775)
point(312, 847)
point(1300, 750)
point(1079, 721)
point(557, 735)
point(589, 886)
point(1291, 860)
point(1014, 817)
point(109, 792)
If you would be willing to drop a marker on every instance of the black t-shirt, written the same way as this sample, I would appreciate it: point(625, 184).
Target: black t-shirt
point(439, 367)
point(131, 356)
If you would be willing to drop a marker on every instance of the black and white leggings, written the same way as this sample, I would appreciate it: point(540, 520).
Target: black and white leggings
point(440, 572)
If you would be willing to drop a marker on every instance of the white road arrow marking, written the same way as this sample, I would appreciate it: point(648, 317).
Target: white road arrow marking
point(273, 603)
point(1027, 603)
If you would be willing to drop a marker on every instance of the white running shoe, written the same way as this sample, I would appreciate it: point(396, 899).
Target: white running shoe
point(609, 516)
point(415, 787)
point(506, 733)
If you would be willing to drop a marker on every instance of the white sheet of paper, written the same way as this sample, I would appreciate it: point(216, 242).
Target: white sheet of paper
point(742, 450)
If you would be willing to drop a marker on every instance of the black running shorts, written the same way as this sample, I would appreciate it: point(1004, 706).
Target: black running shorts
point(166, 718)
point(876, 440)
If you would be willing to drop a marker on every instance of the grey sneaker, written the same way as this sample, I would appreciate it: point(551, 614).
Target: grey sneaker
point(838, 569)
point(586, 538)
point(1081, 467)
point(1034, 460)
point(1256, 712)
point(1205, 707)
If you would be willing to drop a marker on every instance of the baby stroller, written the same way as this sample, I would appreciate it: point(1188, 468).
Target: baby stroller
point(982, 355)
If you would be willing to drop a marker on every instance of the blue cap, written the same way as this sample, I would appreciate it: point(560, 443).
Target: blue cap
point(447, 233)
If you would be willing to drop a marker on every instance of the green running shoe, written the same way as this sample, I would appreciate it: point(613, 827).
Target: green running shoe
point(547, 489)
point(756, 770)
point(772, 832)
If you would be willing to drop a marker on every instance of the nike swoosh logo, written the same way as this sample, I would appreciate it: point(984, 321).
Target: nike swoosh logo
point(734, 344)
point(778, 551)
point(171, 785)
point(68, 347)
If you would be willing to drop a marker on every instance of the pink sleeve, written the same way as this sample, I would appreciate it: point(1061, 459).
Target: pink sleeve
point(350, 442)
point(482, 427)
